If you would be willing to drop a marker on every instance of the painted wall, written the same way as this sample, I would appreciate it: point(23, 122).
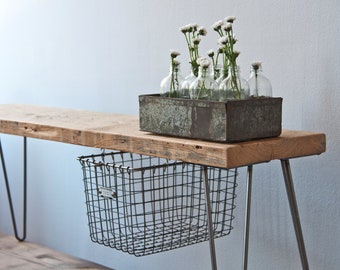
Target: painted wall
point(100, 55)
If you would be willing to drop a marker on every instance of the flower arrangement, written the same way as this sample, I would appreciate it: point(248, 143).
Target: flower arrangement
point(193, 34)
point(227, 41)
point(214, 61)
point(203, 85)
point(229, 83)
point(207, 104)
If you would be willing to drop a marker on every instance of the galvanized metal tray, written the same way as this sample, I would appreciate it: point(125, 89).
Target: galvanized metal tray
point(230, 121)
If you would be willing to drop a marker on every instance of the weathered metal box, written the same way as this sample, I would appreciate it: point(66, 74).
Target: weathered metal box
point(230, 121)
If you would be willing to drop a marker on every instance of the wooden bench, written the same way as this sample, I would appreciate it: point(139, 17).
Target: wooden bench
point(121, 132)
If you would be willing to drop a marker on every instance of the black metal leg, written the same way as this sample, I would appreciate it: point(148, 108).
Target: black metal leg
point(247, 217)
point(294, 211)
point(209, 218)
point(23, 237)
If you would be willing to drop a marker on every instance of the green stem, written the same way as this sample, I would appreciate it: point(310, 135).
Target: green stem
point(203, 87)
point(256, 84)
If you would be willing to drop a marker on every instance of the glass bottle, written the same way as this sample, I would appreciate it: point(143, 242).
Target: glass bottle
point(204, 85)
point(223, 74)
point(216, 72)
point(185, 84)
point(170, 85)
point(234, 86)
point(259, 85)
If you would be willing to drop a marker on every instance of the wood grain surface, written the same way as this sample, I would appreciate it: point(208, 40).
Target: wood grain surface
point(121, 132)
point(25, 255)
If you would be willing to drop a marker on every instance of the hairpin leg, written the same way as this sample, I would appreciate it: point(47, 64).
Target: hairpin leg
point(22, 238)
point(294, 211)
point(247, 217)
point(209, 218)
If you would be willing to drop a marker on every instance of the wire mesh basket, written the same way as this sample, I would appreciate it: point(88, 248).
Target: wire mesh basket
point(144, 205)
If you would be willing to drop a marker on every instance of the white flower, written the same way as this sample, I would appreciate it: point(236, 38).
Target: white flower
point(183, 29)
point(210, 53)
point(220, 49)
point(194, 26)
point(236, 54)
point(196, 40)
point(176, 63)
point(217, 25)
point(227, 27)
point(203, 62)
point(174, 53)
point(230, 19)
point(202, 31)
point(186, 28)
point(256, 65)
point(223, 40)
point(200, 58)
point(233, 39)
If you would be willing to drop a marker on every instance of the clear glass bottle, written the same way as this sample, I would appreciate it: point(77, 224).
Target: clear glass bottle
point(259, 84)
point(170, 85)
point(185, 84)
point(223, 74)
point(234, 86)
point(216, 72)
point(204, 85)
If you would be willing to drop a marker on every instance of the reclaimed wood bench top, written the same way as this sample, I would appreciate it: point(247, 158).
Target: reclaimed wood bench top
point(121, 132)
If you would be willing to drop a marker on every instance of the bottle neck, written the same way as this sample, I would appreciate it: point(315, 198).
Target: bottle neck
point(203, 72)
point(174, 69)
point(224, 71)
point(234, 71)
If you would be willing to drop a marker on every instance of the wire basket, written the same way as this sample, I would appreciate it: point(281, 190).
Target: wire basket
point(144, 205)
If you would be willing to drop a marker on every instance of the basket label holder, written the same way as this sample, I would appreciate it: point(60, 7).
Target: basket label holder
point(107, 193)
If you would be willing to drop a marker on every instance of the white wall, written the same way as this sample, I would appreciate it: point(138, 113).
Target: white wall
point(100, 55)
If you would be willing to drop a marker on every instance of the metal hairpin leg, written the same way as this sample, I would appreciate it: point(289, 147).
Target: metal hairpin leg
point(247, 217)
point(294, 211)
point(9, 193)
point(209, 218)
